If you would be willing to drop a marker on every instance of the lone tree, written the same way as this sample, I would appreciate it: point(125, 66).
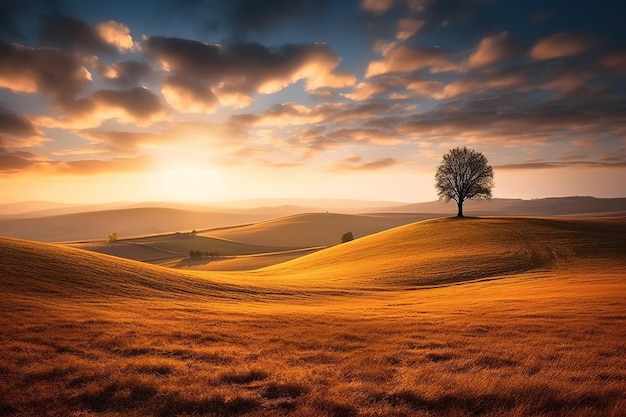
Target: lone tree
point(462, 175)
point(347, 237)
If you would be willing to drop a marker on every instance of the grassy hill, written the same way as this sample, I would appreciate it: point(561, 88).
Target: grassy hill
point(389, 324)
point(443, 251)
point(57, 272)
point(312, 229)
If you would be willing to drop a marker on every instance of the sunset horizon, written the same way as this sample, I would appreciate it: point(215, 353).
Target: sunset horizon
point(209, 101)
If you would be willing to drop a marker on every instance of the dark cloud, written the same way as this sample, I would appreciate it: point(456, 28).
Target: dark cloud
point(136, 105)
point(138, 102)
point(236, 71)
point(73, 35)
point(45, 70)
point(14, 161)
point(15, 125)
point(187, 95)
point(125, 73)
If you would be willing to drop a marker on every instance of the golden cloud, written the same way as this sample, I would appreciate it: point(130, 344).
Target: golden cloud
point(406, 28)
point(376, 6)
point(42, 70)
point(117, 34)
point(477, 85)
point(492, 49)
point(187, 96)
point(560, 45)
point(406, 59)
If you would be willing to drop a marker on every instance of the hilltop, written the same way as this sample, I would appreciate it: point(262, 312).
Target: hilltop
point(470, 317)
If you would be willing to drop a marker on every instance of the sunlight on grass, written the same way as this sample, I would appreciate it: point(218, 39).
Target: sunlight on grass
point(86, 334)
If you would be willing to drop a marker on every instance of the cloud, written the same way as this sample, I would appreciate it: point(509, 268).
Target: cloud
point(14, 161)
point(376, 6)
point(72, 34)
point(560, 45)
point(119, 142)
point(365, 136)
point(17, 131)
point(408, 27)
point(355, 164)
point(238, 70)
point(568, 83)
point(135, 105)
point(116, 34)
point(124, 73)
point(492, 49)
point(97, 166)
point(42, 70)
point(188, 96)
point(406, 59)
point(615, 61)
point(464, 86)
point(560, 164)
point(295, 114)
point(395, 86)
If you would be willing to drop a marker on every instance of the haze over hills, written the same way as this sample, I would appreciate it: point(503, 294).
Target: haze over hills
point(554, 206)
point(276, 206)
point(126, 222)
point(170, 217)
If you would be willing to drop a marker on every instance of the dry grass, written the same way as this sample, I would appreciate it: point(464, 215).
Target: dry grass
point(117, 338)
point(313, 229)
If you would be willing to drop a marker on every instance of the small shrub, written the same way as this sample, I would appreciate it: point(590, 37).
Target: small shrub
point(347, 237)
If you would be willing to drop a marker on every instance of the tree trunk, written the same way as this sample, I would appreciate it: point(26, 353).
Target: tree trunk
point(460, 205)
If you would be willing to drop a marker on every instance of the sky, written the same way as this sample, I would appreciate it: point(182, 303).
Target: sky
point(210, 100)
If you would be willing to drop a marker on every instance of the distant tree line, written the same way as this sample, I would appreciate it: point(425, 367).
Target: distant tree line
point(200, 254)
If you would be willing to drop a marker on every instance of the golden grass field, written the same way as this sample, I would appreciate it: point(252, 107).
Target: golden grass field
point(445, 317)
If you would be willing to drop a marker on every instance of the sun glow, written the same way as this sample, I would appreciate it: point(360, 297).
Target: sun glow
point(189, 182)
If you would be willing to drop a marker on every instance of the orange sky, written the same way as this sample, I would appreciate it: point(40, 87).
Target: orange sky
point(218, 100)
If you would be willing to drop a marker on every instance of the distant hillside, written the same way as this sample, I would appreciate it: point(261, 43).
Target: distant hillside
point(556, 206)
point(126, 222)
point(312, 229)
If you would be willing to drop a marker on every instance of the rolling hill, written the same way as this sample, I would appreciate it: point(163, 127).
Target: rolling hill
point(312, 229)
point(127, 222)
point(471, 317)
point(445, 251)
point(49, 271)
point(429, 253)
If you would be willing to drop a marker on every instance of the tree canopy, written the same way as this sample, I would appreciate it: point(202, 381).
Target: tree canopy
point(463, 174)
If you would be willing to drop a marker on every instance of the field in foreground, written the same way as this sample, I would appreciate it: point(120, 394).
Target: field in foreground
point(329, 333)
